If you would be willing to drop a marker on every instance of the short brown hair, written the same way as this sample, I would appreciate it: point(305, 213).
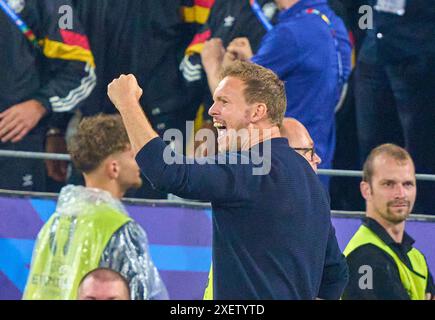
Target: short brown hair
point(97, 138)
point(262, 86)
point(389, 149)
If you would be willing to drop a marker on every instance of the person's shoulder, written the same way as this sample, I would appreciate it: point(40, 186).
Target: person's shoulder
point(370, 254)
point(366, 249)
point(48, 225)
point(286, 25)
point(296, 27)
point(132, 230)
point(291, 158)
point(134, 227)
point(230, 158)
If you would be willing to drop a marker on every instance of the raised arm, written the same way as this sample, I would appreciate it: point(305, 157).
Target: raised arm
point(170, 172)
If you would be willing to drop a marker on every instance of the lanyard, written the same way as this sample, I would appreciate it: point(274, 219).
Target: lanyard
point(260, 15)
point(25, 30)
point(337, 47)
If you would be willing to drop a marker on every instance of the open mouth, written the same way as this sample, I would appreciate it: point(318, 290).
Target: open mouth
point(221, 131)
point(219, 125)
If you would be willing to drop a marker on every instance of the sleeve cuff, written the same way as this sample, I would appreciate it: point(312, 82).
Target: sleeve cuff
point(43, 100)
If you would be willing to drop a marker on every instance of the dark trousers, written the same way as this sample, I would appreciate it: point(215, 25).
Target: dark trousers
point(396, 103)
point(23, 174)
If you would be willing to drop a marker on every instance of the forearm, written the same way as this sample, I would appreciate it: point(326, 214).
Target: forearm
point(213, 78)
point(138, 127)
point(212, 57)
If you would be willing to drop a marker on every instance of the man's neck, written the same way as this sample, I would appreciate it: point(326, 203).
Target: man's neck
point(395, 230)
point(259, 134)
point(288, 4)
point(109, 186)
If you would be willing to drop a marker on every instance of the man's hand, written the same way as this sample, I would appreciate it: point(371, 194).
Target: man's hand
point(18, 120)
point(241, 49)
point(56, 170)
point(124, 92)
point(212, 55)
point(229, 58)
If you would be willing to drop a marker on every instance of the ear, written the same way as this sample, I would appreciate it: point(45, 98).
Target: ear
point(366, 190)
point(259, 112)
point(112, 169)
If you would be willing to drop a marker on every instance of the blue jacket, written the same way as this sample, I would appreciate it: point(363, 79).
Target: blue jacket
point(301, 50)
point(272, 233)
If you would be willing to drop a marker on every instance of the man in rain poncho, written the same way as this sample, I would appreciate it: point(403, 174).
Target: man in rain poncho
point(91, 228)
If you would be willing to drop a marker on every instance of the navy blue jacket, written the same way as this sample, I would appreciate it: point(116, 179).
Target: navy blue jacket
point(300, 49)
point(271, 233)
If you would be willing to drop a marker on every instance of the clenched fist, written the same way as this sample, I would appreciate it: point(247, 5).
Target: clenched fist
point(124, 91)
point(212, 55)
point(241, 48)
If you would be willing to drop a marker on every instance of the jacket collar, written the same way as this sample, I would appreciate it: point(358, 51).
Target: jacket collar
point(373, 225)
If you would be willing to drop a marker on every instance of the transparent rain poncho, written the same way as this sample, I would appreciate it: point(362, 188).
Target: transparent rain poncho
point(110, 240)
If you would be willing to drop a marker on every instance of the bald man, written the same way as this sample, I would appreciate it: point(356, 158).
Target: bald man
point(103, 284)
point(300, 140)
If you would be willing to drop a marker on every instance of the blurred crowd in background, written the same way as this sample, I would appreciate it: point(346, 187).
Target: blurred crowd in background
point(58, 56)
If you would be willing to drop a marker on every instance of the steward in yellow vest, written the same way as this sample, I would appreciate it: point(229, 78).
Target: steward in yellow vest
point(383, 264)
point(90, 229)
point(380, 268)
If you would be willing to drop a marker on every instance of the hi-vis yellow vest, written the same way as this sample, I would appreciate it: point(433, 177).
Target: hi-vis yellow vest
point(415, 284)
point(62, 257)
point(208, 294)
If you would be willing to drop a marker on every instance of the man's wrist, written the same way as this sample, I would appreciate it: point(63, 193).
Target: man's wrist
point(128, 106)
point(42, 101)
point(38, 107)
